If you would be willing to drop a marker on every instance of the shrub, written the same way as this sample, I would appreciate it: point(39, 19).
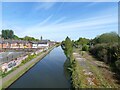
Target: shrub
point(85, 48)
point(106, 52)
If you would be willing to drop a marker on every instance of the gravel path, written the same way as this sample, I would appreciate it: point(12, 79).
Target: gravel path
point(96, 72)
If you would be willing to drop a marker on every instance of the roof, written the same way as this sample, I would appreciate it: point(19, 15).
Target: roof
point(24, 42)
point(41, 42)
point(13, 41)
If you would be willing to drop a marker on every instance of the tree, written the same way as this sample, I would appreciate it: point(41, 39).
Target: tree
point(7, 34)
point(16, 37)
point(68, 47)
point(11, 34)
point(82, 42)
point(3, 33)
point(28, 38)
point(111, 37)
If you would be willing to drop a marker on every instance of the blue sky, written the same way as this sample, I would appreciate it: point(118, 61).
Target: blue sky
point(56, 20)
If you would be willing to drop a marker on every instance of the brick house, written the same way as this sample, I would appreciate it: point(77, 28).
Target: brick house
point(15, 44)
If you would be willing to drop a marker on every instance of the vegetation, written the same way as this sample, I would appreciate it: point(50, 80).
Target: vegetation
point(9, 34)
point(82, 41)
point(28, 38)
point(104, 47)
point(67, 46)
point(111, 37)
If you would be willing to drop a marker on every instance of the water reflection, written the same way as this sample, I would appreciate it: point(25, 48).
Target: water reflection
point(48, 73)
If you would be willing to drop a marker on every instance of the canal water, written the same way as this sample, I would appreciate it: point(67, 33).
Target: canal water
point(47, 73)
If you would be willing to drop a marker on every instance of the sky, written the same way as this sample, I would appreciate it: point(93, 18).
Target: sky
point(57, 20)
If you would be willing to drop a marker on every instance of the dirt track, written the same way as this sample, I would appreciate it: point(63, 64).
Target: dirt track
point(94, 72)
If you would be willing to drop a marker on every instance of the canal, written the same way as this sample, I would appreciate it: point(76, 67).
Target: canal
point(47, 73)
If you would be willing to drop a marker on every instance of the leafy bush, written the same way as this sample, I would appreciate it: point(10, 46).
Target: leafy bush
point(85, 48)
point(109, 53)
point(111, 37)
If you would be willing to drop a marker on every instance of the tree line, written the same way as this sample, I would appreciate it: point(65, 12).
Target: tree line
point(9, 34)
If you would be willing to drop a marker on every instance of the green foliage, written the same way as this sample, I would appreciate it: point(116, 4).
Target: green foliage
point(67, 46)
point(106, 52)
point(85, 48)
point(28, 38)
point(106, 38)
point(16, 37)
point(82, 44)
point(7, 34)
point(30, 57)
point(106, 47)
point(82, 41)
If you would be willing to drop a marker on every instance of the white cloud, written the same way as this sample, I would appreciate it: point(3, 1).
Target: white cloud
point(60, 29)
point(59, 20)
point(45, 5)
point(46, 20)
point(92, 4)
point(102, 21)
point(74, 26)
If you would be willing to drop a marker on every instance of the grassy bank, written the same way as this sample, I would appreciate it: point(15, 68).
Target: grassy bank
point(72, 74)
point(88, 72)
point(23, 69)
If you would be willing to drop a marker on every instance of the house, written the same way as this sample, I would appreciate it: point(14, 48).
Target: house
point(1, 44)
point(5, 44)
point(24, 44)
point(43, 43)
point(15, 44)
point(20, 44)
point(34, 44)
point(40, 44)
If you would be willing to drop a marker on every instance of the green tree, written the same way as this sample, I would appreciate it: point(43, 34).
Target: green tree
point(68, 47)
point(111, 37)
point(11, 34)
point(28, 38)
point(16, 37)
point(7, 34)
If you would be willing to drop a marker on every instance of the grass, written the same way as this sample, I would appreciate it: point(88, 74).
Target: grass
point(102, 81)
point(72, 73)
point(79, 79)
point(76, 77)
point(101, 74)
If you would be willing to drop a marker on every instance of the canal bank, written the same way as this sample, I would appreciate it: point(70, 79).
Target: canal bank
point(47, 73)
point(12, 77)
